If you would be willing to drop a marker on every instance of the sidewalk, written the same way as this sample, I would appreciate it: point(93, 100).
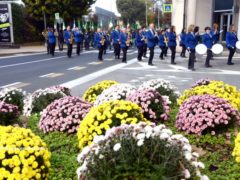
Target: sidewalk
point(23, 50)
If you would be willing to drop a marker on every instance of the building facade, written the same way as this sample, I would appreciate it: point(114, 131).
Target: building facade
point(204, 13)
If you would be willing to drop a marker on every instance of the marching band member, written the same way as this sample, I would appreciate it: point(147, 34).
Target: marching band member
point(60, 39)
point(172, 43)
point(215, 33)
point(125, 42)
point(207, 39)
point(231, 39)
point(191, 43)
point(182, 42)
point(78, 39)
point(51, 41)
point(68, 38)
point(167, 30)
point(115, 36)
point(197, 35)
point(99, 43)
point(45, 35)
point(144, 33)
point(140, 43)
point(87, 39)
point(152, 39)
point(162, 44)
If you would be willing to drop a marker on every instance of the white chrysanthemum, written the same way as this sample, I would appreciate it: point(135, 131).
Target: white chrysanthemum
point(140, 142)
point(116, 147)
point(115, 92)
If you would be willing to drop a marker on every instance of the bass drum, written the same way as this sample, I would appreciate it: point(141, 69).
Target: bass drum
point(201, 49)
point(217, 49)
point(238, 46)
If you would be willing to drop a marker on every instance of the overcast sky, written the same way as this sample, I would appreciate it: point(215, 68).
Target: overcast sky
point(109, 5)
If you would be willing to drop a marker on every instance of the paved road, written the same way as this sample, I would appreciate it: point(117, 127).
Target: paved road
point(34, 71)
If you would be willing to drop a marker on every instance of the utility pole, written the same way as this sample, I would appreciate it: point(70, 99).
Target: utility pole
point(184, 13)
point(146, 14)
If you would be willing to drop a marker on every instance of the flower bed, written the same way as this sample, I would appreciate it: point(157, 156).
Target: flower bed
point(217, 88)
point(94, 91)
point(206, 114)
point(105, 116)
point(115, 92)
point(202, 82)
point(9, 114)
point(165, 88)
point(154, 106)
point(64, 115)
point(23, 155)
point(139, 151)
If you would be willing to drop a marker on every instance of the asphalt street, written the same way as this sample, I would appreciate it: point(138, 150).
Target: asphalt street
point(34, 71)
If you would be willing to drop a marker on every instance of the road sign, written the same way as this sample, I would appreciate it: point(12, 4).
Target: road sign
point(57, 16)
point(167, 8)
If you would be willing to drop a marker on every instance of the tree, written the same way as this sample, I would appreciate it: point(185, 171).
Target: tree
point(68, 9)
point(132, 10)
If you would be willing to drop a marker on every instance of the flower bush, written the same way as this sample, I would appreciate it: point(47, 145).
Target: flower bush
point(236, 151)
point(64, 115)
point(13, 96)
point(202, 82)
point(105, 116)
point(23, 155)
point(65, 90)
point(94, 91)
point(9, 113)
point(154, 106)
point(115, 92)
point(165, 88)
point(40, 99)
point(217, 88)
point(139, 151)
point(206, 114)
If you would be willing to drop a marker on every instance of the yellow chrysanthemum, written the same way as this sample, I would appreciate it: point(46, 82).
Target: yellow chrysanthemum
point(91, 94)
point(105, 116)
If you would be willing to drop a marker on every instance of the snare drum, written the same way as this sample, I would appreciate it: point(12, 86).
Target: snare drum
point(217, 49)
point(201, 49)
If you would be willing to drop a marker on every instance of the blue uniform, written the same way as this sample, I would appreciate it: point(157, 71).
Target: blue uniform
point(215, 36)
point(51, 37)
point(183, 39)
point(78, 36)
point(123, 39)
point(67, 36)
point(172, 39)
point(115, 36)
point(161, 41)
point(231, 39)
point(191, 41)
point(97, 39)
point(207, 39)
point(139, 40)
point(151, 38)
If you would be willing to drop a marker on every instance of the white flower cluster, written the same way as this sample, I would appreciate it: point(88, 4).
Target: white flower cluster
point(155, 84)
point(5, 93)
point(28, 101)
point(115, 92)
point(140, 132)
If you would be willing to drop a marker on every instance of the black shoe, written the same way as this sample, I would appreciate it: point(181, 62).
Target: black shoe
point(78, 54)
point(145, 56)
point(193, 69)
point(139, 59)
point(124, 62)
point(184, 56)
point(173, 63)
point(230, 63)
point(150, 64)
point(161, 58)
point(208, 66)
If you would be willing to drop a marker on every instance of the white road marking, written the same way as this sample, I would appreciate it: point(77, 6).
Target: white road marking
point(172, 77)
point(51, 75)
point(146, 66)
point(95, 63)
point(89, 77)
point(76, 68)
point(15, 85)
point(10, 85)
point(178, 67)
point(46, 75)
point(133, 81)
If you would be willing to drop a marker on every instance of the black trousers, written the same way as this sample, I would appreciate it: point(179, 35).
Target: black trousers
point(191, 59)
point(78, 48)
point(117, 50)
point(86, 44)
point(165, 52)
point(140, 53)
point(144, 50)
point(209, 56)
point(52, 48)
point(183, 53)
point(100, 53)
point(162, 51)
point(60, 45)
point(173, 50)
point(69, 50)
point(231, 54)
point(151, 55)
point(48, 48)
point(124, 59)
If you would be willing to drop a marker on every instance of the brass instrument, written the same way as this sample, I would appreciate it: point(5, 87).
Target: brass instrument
point(128, 40)
point(71, 38)
point(45, 34)
point(102, 40)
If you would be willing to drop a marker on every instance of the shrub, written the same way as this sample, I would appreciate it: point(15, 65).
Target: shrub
point(236, 151)
point(64, 115)
point(206, 114)
point(94, 91)
point(9, 114)
point(154, 107)
point(139, 151)
point(165, 88)
point(217, 88)
point(23, 155)
point(13, 96)
point(115, 92)
point(40, 99)
point(105, 116)
point(202, 82)
point(65, 90)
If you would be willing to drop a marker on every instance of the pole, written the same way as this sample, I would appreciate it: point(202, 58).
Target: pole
point(146, 14)
point(44, 19)
point(184, 13)
point(158, 17)
point(11, 21)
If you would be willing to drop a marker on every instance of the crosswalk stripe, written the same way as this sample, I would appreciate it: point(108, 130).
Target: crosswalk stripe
point(95, 63)
point(76, 68)
point(16, 85)
point(51, 75)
